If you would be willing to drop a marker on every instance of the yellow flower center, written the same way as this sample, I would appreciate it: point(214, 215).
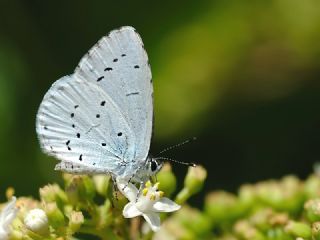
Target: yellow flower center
point(150, 194)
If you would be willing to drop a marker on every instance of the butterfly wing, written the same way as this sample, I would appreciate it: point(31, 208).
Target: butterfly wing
point(100, 118)
point(118, 64)
point(78, 123)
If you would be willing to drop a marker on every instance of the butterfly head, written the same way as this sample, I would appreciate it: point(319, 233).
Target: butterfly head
point(153, 165)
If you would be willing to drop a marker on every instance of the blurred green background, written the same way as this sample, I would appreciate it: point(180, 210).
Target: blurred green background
point(241, 76)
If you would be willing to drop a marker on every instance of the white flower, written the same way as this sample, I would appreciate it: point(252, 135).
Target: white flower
point(36, 220)
point(148, 203)
point(7, 215)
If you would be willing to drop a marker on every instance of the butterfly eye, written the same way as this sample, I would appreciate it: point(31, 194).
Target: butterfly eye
point(154, 166)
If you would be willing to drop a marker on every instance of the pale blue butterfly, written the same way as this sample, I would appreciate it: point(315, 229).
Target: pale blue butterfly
point(99, 119)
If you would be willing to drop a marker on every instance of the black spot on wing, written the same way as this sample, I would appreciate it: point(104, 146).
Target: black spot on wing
point(133, 93)
point(98, 116)
point(100, 78)
point(78, 135)
point(80, 157)
point(123, 55)
point(72, 115)
point(76, 106)
point(108, 69)
point(136, 66)
point(119, 134)
point(115, 60)
point(103, 103)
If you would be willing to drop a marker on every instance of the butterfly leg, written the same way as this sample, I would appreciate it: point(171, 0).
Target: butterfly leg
point(129, 181)
point(142, 184)
point(141, 187)
point(115, 189)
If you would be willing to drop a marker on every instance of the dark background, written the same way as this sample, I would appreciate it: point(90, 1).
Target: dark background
point(241, 76)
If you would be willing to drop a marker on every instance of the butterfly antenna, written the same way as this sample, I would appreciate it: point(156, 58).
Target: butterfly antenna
point(176, 161)
point(178, 145)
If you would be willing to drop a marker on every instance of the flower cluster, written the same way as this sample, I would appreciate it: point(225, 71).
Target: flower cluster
point(89, 206)
point(286, 209)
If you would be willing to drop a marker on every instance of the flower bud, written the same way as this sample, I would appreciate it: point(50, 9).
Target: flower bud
point(194, 220)
point(36, 220)
point(9, 192)
point(193, 183)
point(217, 204)
point(105, 213)
point(76, 219)
point(101, 183)
point(17, 234)
point(312, 187)
point(247, 194)
point(316, 231)
point(173, 229)
point(247, 232)
point(261, 217)
point(80, 189)
point(279, 219)
point(195, 178)
point(278, 233)
point(55, 216)
point(67, 177)
point(52, 193)
point(312, 208)
point(298, 229)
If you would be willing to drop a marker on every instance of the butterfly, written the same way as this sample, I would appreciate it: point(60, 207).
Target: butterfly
point(99, 119)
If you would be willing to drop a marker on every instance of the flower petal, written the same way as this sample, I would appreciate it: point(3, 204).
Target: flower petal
point(4, 235)
point(165, 205)
point(153, 220)
point(127, 189)
point(130, 211)
point(8, 213)
point(9, 209)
